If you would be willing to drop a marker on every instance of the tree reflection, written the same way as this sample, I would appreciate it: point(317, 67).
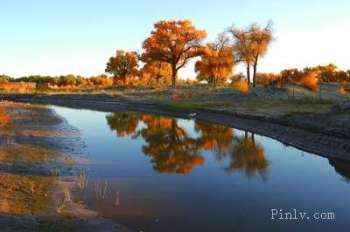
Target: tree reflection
point(5, 118)
point(125, 124)
point(172, 150)
point(342, 167)
point(214, 137)
point(169, 146)
point(248, 156)
point(243, 152)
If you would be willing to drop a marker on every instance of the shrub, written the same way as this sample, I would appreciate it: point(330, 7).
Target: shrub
point(310, 81)
point(241, 85)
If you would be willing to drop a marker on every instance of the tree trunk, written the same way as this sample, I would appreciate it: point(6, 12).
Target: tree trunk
point(173, 76)
point(253, 139)
point(254, 71)
point(248, 73)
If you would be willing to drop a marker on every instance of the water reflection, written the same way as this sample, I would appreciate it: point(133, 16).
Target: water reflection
point(248, 155)
point(173, 150)
point(124, 124)
point(169, 146)
point(214, 137)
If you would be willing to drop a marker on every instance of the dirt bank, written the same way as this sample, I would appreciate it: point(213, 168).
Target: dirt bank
point(321, 133)
point(41, 156)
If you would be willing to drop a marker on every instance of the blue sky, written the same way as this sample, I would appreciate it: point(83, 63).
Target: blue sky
point(66, 36)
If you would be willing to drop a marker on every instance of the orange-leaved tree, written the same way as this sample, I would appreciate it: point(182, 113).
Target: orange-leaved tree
point(123, 65)
point(291, 75)
point(216, 64)
point(174, 42)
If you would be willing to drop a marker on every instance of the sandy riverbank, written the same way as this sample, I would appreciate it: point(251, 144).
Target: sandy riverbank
point(41, 156)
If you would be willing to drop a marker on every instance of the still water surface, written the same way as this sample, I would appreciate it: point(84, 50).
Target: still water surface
point(156, 173)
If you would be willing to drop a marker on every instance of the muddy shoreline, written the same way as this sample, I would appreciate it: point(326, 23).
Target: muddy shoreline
point(327, 143)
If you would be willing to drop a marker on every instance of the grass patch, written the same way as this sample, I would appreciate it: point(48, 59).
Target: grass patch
point(187, 106)
point(268, 106)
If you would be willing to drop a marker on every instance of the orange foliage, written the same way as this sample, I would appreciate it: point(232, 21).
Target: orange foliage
point(328, 73)
point(173, 42)
point(18, 86)
point(241, 85)
point(123, 65)
point(156, 73)
point(216, 64)
point(310, 81)
point(101, 80)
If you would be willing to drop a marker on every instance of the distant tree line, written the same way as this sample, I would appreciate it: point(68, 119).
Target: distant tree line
point(310, 77)
point(62, 81)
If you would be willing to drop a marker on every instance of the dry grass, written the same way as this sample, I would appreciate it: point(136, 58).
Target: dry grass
point(26, 195)
point(281, 107)
point(26, 154)
point(101, 189)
